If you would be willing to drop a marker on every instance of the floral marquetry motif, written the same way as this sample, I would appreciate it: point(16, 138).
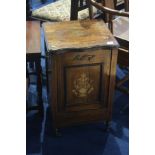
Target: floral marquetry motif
point(83, 86)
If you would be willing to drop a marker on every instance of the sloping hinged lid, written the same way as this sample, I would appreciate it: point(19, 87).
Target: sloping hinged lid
point(78, 35)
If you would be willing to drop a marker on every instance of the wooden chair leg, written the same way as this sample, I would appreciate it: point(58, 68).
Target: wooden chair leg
point(39, 86)
point(90, 7)
point(126, 78)
point(120, 87)
point(126, 5)
point(74, 10)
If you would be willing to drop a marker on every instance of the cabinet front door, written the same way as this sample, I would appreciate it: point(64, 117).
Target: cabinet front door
point(82, 83)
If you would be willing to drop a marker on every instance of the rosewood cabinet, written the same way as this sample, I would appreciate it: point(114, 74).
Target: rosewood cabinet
point(82, 57)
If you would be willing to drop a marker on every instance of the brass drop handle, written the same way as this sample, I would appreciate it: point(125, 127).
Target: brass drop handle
point(84, 57)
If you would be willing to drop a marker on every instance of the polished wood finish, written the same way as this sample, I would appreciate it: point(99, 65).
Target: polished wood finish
point(75, 35)
point(82, 57)
point(33, 55)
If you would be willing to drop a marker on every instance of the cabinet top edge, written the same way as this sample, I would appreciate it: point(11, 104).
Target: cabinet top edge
point(77, 34)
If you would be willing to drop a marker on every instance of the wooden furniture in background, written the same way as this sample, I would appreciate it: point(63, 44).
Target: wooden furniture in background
point(118, 23)
point(82, 58)
point(78, 5)
point(33, 54)
point(62, 10)
point(126, 5)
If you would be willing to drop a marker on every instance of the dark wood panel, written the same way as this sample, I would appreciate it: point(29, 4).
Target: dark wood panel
point(95, 70)
point(82, 117)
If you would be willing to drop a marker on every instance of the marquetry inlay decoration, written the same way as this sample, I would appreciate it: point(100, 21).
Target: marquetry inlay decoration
point(83, 86)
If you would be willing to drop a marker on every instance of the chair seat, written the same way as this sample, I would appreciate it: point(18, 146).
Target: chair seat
point(59, 11)
point(121, 32)
point(121, 28)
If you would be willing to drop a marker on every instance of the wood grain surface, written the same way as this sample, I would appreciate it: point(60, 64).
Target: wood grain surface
point(78, 34)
